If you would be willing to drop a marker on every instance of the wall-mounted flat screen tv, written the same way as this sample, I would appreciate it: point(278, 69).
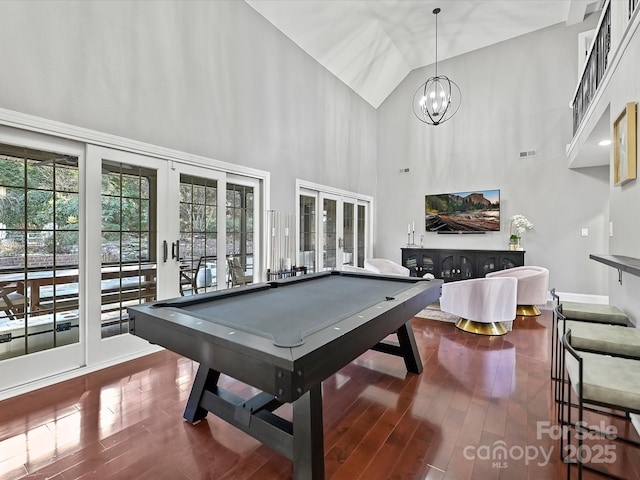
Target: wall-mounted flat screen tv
point(463, 212)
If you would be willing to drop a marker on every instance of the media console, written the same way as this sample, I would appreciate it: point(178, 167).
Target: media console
point(451, 265)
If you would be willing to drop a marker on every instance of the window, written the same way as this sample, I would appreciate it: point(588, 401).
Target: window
point(240, 226)
point(361, 234)
point(348, 233)
point(329, 233)
point(308, 233)
point(198, 234)
point(128, 243)
point(39, 252)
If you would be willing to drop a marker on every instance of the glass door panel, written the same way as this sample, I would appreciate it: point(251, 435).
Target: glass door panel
point(361, 235)
point(329, 233)
point(348, 233)
point(308, 233)
point(198, 234)
point(39, 250)
point(240, 233)
point(128, 248)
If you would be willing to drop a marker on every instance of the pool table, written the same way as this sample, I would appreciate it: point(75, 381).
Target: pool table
point(284, 338)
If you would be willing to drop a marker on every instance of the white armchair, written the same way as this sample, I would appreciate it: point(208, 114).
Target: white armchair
point(533, 285)
point(385, 267)
point(482, 304)
point(351, 268)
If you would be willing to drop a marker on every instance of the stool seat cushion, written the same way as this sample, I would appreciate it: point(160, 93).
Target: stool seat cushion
point(608, 339)
point(606, 380)
point(594, 312)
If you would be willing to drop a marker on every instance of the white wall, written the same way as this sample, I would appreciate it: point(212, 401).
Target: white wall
point(208, 78)
point(515, 98)
point(625, 200)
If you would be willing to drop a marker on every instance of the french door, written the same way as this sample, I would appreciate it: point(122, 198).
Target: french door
point(218, 232)
point(109, 229)
point(128, 194)
point(334, 228)
point(175, 226)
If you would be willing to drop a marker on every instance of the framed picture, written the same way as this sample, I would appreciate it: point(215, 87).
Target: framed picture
point(624, 145)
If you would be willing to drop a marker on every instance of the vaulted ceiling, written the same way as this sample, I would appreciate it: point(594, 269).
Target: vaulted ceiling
point(371, 45)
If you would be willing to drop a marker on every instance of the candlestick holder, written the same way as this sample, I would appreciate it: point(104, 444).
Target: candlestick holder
point(410, 243)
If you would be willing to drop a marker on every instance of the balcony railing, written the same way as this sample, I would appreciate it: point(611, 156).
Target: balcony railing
point(595, 67)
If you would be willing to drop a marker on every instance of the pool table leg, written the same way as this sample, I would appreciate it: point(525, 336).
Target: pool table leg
point(206, 379)
point(409, 349)
point(308, 436)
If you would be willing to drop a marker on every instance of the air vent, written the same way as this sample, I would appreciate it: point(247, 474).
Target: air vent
point(403, 171)
point(528, 154)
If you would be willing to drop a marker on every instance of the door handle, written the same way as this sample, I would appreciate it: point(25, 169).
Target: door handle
point(175, 250)
point(165, 251)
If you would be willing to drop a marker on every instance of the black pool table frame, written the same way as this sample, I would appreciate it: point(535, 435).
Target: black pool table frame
point(292, 374)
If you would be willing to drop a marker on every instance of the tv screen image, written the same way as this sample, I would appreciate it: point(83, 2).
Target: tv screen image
point(477, 211)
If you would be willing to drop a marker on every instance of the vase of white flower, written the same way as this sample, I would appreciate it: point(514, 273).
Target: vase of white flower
point(519, 225)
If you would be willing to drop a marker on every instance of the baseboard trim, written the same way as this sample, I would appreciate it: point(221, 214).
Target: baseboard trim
point(582, 297)
point(576, 297)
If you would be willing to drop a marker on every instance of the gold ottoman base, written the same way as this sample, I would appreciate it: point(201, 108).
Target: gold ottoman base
point(527, 311)
point(481, 328)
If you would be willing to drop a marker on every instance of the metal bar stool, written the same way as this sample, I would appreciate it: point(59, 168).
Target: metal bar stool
point(580, 312)
point(600, 381)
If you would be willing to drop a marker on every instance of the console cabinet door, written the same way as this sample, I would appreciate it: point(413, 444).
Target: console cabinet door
point(488, 262)
point(428, 262)
point(421, 261)
point(456, 266)
point(410, 261)
point(510, 260)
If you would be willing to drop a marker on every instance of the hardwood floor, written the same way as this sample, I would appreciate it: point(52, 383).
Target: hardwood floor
point(475, 394)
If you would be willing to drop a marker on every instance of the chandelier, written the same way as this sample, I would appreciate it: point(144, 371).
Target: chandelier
point(438, 99)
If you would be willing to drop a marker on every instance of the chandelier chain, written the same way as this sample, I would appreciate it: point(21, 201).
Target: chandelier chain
point(436, 12)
